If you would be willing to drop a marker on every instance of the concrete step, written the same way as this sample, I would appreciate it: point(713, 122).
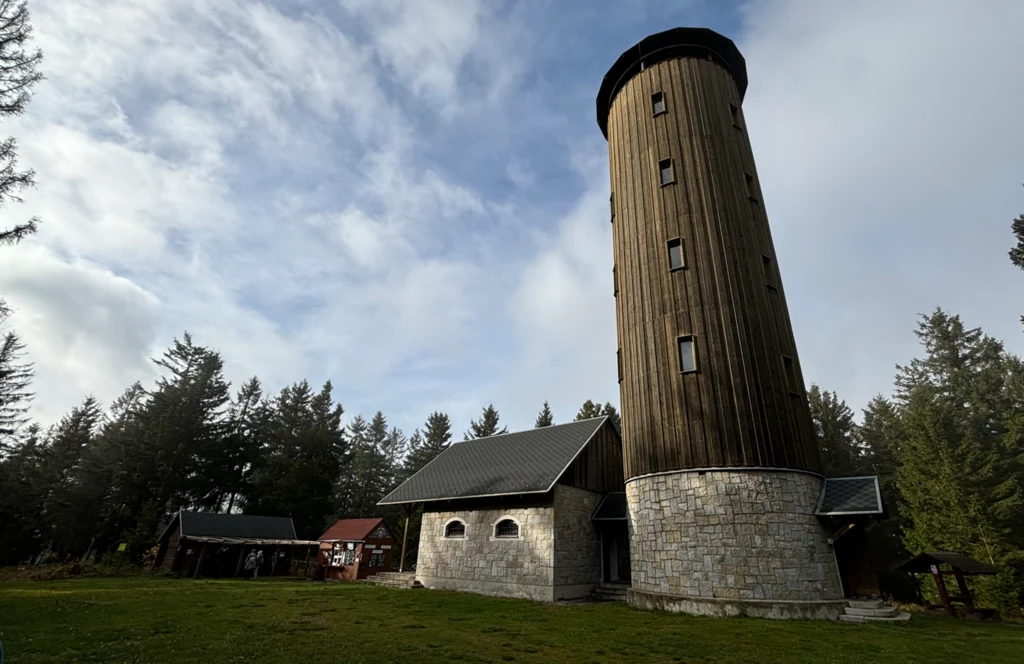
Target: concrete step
point(610, 592)
point(866, 604)
point(883, 612)
point(901, 616)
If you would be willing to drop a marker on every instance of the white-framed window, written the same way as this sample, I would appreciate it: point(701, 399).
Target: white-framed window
point(455, 529)
point(507, 528)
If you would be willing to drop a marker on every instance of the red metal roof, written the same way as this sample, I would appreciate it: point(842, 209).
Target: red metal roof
point(350, 530)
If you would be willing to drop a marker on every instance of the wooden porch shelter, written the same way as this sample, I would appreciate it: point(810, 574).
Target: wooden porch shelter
point(959, 566)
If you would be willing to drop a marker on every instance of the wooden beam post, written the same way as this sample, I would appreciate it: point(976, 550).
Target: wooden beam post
point(405, 535)
point(943, 595)
point(965, 592)
point(273, 563)
point(305, 568)
point(199, 563)
point(241, 559)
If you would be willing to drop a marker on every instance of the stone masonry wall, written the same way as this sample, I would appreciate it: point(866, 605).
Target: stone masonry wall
point(577, 542)
point(737, 534)
point(483, 564)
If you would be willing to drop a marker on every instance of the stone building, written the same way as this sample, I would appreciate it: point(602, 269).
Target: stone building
point(520, 515)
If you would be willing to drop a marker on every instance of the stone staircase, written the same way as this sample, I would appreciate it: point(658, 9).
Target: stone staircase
point(610, 592)
point(872, 610)
point(394, 580)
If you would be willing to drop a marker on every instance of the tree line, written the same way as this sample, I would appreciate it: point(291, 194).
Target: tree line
point(99, 478)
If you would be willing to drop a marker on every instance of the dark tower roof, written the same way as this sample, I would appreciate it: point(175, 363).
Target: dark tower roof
point(675, 43)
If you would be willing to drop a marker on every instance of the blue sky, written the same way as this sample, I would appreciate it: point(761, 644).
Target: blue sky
point(410, 198)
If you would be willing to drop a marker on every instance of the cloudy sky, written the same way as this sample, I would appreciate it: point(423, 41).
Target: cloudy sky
point(409, 198)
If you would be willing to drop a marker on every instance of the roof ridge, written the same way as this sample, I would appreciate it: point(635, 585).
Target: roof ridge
point(522, 431)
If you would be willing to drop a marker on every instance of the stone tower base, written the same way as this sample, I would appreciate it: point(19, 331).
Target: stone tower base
point(731, 542)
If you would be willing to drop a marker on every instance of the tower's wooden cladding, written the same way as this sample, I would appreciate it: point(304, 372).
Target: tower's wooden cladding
point(744, 405)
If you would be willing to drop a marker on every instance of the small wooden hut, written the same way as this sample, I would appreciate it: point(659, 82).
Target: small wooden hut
point(355, 549)
point(215, 545)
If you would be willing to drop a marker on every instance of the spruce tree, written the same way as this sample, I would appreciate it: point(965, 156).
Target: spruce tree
point(66, 510)
point(610, 411)
point(15, 380)
point(1017, 252)
point(960, 460)
point(833, 427)
point(486, 426)
point(22, 496)
point(437, 436)
point(19, 73)
point(588, 410)
point(544, 418)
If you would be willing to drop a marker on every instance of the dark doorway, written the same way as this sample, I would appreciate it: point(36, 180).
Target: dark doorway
point(851, 549)
point(615, 552)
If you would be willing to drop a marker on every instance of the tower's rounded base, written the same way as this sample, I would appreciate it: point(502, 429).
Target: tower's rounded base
point(723, 608)
point(731, 542)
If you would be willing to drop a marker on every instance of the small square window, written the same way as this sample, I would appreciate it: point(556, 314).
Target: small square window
point(611, 203)
point(658, 103)
point(735, 116)
point(667, 176)
point(687, 357)
point(792, 384)
point(751, 189)
point(615, 281)
point(767, 271)
point(618, 361)
point(675, 254)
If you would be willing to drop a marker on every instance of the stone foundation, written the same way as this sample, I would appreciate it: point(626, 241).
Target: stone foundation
point(731, 542)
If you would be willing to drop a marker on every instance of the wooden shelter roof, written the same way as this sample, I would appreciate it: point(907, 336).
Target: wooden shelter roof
point(922, 562)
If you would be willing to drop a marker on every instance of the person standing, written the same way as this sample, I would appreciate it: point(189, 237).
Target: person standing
point(251, 565)
point(259, 562)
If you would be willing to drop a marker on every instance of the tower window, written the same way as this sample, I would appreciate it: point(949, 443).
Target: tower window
point(791, 382)
point(687, 357)
point(611, 203)
point(658, 103)
point(735, 116)
point(767, 271)
point(615, 281)
point(675, 254)
point(751, 189)
point(618, 361)
point(667, 176)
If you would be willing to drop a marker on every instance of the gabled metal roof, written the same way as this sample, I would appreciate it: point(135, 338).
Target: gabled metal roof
point(513, 463)
point(241, 526)
point(922, 562)
point(850, 495)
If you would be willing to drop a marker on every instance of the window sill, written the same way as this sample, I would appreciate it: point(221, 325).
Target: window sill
point(691, 371)
point(506, 539)
point(667, 184)
point(677, 269)
point(771, 287)
point(659, 113)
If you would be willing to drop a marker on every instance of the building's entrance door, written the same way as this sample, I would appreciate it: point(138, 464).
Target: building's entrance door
point(615, 552)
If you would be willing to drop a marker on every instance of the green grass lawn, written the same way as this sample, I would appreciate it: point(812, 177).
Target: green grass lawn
point(153, 620)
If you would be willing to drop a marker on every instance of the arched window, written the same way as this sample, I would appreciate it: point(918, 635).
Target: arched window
point(455, 529)
point(506, 528)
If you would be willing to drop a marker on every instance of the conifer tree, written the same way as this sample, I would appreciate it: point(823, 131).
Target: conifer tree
point(1017, 252)
point(544, 418)
point(833, 428)
point(22, 495)
point(19, 73)
point(486, 426)
point(437, 436)
point(588, 410)
point(65, 511)
point(612, 413)
point(15, 380)
point(960, 461)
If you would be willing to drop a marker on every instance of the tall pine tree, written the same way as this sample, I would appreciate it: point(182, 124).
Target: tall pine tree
point(437, 436)
point(833, 426)
point(544, 418)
